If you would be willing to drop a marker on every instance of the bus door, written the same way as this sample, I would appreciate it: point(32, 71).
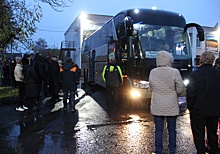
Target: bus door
point(123, 50)
point(92, 66)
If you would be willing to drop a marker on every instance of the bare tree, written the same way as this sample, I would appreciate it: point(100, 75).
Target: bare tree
point(17, 22)
point(57, 5)
point(40, 44)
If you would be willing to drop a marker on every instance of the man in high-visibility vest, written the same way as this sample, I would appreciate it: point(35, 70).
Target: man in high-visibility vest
point(112, 75)
point(69, 77)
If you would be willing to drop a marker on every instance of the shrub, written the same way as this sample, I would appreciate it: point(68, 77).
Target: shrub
point(8, 93)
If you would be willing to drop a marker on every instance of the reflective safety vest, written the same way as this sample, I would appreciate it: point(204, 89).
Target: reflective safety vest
point(112, 75)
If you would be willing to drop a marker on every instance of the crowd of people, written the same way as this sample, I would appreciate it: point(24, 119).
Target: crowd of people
point(38, 77)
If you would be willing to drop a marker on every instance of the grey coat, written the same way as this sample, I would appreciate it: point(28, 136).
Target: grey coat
point(166, 85)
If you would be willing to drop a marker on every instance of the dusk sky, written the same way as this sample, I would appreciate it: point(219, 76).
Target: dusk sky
point(54, 24)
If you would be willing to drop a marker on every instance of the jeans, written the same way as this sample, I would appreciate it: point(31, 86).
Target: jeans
point(171, 126)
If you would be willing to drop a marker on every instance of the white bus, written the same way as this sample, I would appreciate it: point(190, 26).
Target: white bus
point(136, 36)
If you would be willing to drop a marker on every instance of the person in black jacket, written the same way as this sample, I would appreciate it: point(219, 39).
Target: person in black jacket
point(41, 74)
point(54, 71)
point(69, 78)
point(203, 102)
point(31, 83)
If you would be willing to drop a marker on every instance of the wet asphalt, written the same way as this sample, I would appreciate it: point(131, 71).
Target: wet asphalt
point(92, 129)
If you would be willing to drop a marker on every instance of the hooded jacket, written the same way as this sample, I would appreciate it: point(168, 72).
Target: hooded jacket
point(69, 77)
point(165, 84)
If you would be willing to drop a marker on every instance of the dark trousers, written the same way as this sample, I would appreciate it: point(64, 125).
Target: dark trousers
point(39, 87)
point(46, 90)
point(198, 125)
point(31, 103)
point(21, 95)
point(54, 87)
point(112, 96)
point(71, 98)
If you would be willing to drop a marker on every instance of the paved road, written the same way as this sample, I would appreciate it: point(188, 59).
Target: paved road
point(92, 129)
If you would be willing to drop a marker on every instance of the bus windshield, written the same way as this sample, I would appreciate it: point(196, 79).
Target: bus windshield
point(153, 38)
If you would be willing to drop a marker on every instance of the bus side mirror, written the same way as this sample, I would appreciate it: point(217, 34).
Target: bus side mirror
point(129, 25)
point(199, 30)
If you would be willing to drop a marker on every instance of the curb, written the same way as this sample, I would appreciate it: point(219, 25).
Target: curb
point(8, 101)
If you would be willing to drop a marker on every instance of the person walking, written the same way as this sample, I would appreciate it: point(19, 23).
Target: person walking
point(112, 75)
point(54, 80)
point(203, 103)
point(166, 85)
point(69, 77)
point(19, 79)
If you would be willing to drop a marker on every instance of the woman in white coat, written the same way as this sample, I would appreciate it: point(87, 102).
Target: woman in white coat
point(19, 78)
point(166, 85)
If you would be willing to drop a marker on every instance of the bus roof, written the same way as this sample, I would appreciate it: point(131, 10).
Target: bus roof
point(155, 17)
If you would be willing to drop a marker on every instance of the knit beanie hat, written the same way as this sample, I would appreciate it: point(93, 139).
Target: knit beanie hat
point(207, 57)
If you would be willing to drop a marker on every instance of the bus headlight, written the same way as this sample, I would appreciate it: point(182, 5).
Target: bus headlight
point(141, 84)
point(135, 93)
point(185, 82)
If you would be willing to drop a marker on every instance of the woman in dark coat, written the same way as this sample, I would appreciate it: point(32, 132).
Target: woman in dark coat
point(31, 82)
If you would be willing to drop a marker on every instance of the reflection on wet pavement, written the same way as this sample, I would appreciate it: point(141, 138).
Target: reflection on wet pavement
point(92, 129)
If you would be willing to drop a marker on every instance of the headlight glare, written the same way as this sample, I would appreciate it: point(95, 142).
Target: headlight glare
point(186, 82)
point(135, 93)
